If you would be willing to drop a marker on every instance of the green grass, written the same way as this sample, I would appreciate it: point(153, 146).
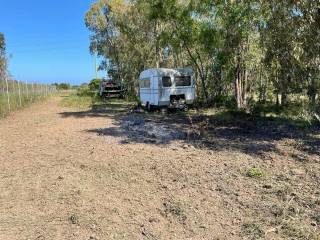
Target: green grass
point(82, 98)
point(73, 100)
point(255, 173)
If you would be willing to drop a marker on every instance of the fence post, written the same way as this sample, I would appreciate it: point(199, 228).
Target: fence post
point(19, 94)
point(8, 96)
point(33, 93)
point(27, 90)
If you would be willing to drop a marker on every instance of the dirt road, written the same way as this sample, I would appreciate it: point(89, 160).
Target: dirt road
point(68, 174)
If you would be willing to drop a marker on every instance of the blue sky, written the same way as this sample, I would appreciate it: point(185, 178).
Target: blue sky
point(47, 40)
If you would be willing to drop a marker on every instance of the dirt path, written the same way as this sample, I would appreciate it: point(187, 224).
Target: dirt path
point(60, 178)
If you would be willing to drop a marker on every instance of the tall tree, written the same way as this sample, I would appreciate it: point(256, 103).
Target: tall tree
point(3, 61)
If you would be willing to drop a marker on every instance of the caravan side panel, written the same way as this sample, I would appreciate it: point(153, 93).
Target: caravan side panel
point(145, 90)
point(149, 90)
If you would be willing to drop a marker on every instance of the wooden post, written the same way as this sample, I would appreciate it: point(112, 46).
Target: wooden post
point(27, 91)
point(19, 91)
point(33, 92)
point(8, 95)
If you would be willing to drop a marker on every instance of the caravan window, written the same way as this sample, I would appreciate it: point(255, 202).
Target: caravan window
point(145, 83)
point(182, 81)
point(166, 82)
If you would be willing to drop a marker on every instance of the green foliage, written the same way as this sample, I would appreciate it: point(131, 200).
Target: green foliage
point(3, 59)
point(2, 45)
point(94, 84)
point(82, 98)
point(74, 100)
point(253, 231)
point(255, 173)
point(62, 86)
point(84, 91)
point(297, 112)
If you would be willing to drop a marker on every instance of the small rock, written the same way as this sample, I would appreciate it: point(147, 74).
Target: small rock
point(301, 157)
point(267, 186)
point(73, 219)
point(317, 218)
point(185, 146)
point(124, 142)
point(92, 238)
point(297, 172)
point(152, 220)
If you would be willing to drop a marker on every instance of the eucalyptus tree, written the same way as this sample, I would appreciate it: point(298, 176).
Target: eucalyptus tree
point(247, 49)
point(3, 61)
point(292, 49)
point(2, 51)
point(310, 42)
point(122, 36)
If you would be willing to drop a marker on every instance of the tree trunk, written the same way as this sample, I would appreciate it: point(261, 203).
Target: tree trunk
point(244, 88)
point(240, 84)
point(158, 57)
point(203, 83)
point(312, 92)
point(237, 86)
point(241, 78)
point(284, 99)
point(201, 73)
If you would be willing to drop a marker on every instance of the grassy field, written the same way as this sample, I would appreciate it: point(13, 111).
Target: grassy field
point(78, 100)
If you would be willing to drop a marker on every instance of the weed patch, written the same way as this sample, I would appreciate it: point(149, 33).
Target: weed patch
point(255, 173)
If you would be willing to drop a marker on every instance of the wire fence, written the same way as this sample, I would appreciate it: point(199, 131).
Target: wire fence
point(18, 94)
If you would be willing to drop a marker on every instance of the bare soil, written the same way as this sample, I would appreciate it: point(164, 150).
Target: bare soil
point(108, 173)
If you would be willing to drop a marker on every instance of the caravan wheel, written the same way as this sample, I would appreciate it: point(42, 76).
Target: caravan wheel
point(149, 107)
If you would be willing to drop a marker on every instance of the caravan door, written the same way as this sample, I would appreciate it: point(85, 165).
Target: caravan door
point(155, 91)
point(149, 90)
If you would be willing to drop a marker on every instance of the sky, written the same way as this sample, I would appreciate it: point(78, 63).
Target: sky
point(47, 41)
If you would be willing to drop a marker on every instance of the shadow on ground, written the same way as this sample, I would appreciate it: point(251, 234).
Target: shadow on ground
point(100, 110)
point(221, 131)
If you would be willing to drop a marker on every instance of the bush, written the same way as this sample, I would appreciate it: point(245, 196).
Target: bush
point(94, 84)
point(62, 86)
point(225, 101)
point(85, 91)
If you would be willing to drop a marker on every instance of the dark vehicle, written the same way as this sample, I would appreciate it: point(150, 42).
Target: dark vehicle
point(111, 89)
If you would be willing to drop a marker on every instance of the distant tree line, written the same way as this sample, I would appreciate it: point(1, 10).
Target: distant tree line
point(62, 86)
point(251, 52)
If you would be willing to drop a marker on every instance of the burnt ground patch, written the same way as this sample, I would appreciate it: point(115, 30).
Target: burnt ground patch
point(223, 130)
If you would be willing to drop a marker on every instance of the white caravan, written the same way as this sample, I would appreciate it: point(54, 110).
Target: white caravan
point(161, 87)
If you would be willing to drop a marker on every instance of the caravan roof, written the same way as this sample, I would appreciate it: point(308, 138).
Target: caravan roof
point(159, 72)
